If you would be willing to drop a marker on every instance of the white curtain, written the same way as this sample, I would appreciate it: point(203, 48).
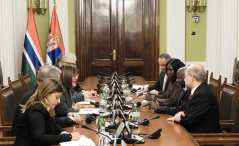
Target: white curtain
point(62, 14)
point(222, 37)
point(176, 28)
point(13, 14)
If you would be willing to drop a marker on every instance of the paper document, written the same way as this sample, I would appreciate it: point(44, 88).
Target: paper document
point(84, 141)
point(84, 103)
point(141, 86)
point(88, 111)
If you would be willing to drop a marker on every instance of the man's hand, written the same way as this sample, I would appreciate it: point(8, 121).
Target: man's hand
point(170, 119)
point(155, 92)
point(154, 106)
point(177, 117)
point(144, 90)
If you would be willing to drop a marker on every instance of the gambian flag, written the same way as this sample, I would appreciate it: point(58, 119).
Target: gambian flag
point(55, 44)
point(32, 55)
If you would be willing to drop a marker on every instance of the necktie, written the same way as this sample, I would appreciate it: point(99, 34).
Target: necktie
point(189, 97)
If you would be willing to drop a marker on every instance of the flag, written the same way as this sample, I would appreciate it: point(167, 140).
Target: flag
point(55, 44)
point(32, 54)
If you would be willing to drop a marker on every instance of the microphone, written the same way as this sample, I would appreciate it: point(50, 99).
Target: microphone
point(86, 127)
point(147, 104)
point(90, 118)
point(128, 81)
point(130, 85)
point(146, 121)
point(135, 90)
point(98, 91)
point(134, 98)
point(96, 104)
point(138, 104)
point(155, 135)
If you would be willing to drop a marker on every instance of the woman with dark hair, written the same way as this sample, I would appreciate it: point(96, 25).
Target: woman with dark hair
point(37, 127)
point(172, 66)
point(69, 77)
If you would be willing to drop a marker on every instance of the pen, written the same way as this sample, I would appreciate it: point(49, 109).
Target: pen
point(74, 129)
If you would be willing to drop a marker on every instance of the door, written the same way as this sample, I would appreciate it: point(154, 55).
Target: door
point(117, 35)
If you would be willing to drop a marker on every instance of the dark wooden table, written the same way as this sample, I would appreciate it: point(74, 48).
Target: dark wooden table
point(172, 134)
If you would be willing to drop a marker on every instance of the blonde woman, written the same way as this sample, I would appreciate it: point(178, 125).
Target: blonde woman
point(37, 126)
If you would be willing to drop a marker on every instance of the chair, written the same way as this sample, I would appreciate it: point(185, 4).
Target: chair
point(235, 75)
point(220, 138)
point(215, 85)
point(26, 80)
point(206, 80)
point(7, 108)
point(18, 89)
point(228, 105)
point(1, 76)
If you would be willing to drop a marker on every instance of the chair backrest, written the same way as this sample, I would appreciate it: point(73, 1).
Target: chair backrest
point(206, 80)
point(215, 85)
point(7, 105)
point(26, 80)
point(18, 89)
point(228, 103)
point(235, 75)
point(1, 76)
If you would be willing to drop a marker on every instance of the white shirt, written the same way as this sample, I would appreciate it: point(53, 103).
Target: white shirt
point(193, 90)
point(165, 81)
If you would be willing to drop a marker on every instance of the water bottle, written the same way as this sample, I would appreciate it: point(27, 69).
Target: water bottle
point(101, 129)
point(135, 114)
point(125, 89)
point(101, 123)
point(105, 92)
point(103, 140)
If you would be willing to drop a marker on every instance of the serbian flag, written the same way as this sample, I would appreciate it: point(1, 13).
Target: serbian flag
point(32, 54)
point(55, 44)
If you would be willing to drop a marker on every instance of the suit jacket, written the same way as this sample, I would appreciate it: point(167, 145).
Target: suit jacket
point(178, 104)
point(38, 128)
point(202, 112)
point(66, 102)
point(159, 84)
point(61, 120)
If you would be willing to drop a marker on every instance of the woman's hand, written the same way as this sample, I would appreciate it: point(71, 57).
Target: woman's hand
point(75, 136)
point(76, 106)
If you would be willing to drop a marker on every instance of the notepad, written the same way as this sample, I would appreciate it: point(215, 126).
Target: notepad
point(84, 141)
point(84, 111)
point(140, 86)
point(84, 103)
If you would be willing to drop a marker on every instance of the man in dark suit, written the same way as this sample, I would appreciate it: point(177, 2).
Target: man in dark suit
point(202, 112)
point(161, 84)
point(45, 72)
point(179, 102)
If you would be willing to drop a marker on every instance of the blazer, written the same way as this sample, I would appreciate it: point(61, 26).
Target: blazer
point(159, 84)
point(61, 119)
point(66, 102)
point(202, 112)
point(178, 104)
point(37, 128)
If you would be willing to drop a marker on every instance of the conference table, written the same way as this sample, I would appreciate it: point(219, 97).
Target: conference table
point(172, 134)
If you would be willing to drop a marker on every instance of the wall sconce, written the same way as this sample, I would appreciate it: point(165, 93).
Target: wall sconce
point(196, 6)
point(38, 6)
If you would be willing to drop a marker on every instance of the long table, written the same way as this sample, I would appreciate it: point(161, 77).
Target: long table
point(172, 133)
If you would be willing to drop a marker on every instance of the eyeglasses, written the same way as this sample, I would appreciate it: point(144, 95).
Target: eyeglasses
point(76, 75)
point(69, 63)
